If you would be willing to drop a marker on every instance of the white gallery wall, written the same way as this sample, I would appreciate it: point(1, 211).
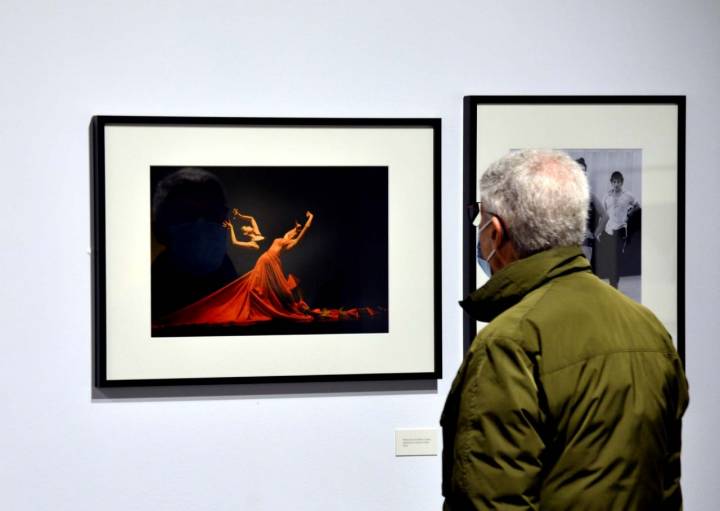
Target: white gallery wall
point(308, 446)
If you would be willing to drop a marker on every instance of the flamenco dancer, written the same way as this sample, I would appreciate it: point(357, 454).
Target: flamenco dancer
point(262, 294)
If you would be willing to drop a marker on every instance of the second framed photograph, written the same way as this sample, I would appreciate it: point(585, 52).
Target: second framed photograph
point(632, 149)
point(245, 250)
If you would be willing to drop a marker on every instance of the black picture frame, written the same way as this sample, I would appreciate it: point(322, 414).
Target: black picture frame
point(561, 122)
point(123, 149)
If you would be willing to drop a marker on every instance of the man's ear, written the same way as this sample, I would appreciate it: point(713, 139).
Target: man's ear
point(498, 235)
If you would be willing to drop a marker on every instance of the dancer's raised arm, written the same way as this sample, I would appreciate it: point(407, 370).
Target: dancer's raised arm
point(253, 223)
point(245, 244)
point(296, 239)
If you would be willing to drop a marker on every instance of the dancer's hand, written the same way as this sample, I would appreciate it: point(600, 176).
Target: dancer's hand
point(237, 213)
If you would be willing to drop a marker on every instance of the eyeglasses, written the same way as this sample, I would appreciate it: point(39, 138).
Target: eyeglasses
point(473, 213)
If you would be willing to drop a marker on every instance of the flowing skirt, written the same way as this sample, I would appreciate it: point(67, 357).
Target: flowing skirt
point(262, 294)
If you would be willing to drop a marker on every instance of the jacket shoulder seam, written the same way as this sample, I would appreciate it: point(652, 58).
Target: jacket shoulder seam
point(608, 353)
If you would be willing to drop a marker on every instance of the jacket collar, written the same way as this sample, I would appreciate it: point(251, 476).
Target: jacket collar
point(508, 286)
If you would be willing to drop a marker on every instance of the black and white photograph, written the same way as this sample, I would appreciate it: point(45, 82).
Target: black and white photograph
point(631, 149)
point(613, 238)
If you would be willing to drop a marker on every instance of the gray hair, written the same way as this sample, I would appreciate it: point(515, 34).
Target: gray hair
point(541, 196)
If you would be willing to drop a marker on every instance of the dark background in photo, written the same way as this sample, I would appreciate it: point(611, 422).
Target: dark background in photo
point(342, 261)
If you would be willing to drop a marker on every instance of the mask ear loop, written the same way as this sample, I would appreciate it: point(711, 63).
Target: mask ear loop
point(483, 262)
point(476, 223)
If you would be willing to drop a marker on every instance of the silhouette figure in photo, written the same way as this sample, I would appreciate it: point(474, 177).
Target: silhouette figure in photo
point(189, 224)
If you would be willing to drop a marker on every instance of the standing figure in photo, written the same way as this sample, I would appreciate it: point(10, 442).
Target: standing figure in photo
point(571, 397)
point(614, 235)
point(595, 222)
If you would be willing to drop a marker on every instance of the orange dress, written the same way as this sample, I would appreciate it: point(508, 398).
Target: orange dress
point(262, 294)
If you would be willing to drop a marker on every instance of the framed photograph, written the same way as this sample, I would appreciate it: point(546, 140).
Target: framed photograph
point(248, 250)
point(633, 151)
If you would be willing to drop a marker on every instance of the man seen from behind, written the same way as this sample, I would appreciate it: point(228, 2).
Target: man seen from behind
point(571, 398)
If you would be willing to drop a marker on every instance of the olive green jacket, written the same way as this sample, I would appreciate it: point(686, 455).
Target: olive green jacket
point(570, 399)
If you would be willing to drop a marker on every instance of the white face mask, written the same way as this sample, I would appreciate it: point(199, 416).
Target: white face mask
point(483, 262)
